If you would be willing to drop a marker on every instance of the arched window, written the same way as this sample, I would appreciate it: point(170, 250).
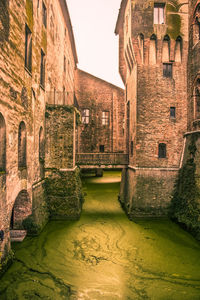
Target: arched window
point(162, 150)
point(178, 49)
point(2, 143)
point(197, 99)
point(166, 49)
point(141, 46)
point(196, 25)
point(22, 145)
point(152, 50)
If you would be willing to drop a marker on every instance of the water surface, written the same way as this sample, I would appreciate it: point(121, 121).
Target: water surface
point(105, 256)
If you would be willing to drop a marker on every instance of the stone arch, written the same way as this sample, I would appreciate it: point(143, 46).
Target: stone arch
point(196, 24)
point(41, 151)
point(153, 50)
point(166, 49)
point(22, 145)
point(141, 46)
point(2, 143)
point(22, 208)
point(178, 49)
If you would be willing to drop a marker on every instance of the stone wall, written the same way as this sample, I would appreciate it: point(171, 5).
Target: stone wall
point(23, 100)
point(100, 96)
point(150, 96)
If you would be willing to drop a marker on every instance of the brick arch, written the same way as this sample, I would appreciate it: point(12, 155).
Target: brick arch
point(196, 97)
point(22, 145)
point(196, 24)
point(178, 49)
point(166, 48)
point(153, 50)
point(2, 143)
point(22, 208)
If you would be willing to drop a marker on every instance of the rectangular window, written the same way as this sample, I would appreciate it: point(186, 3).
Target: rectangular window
point(167, 70)
point(159, 15)
point(42, 69)
point(44, 15)
point(172, 112)
point(105, 117)
point(162, 150)
point(131, 148)
point(101, 148)
point(85, 116)
point(28, 48)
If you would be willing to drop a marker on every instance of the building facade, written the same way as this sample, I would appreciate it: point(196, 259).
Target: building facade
point(102, 108)
point(153, 52)
point(37, 82)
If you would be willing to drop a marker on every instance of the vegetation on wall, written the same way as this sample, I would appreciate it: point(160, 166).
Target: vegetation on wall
point(185, 206)
point(174, 18)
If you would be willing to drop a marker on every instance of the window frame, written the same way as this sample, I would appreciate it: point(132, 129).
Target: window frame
point(42, 69)
point(85, 119)
point(159, 8)
point(28, 49)
point(162, 152)
point(105, 118)
point(166, 72)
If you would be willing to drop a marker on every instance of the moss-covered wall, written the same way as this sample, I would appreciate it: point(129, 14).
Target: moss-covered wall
point(64, 194)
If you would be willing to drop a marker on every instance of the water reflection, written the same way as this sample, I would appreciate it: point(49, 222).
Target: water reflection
point(105, 256)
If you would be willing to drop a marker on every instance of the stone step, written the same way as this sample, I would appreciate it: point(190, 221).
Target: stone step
point(17, 235)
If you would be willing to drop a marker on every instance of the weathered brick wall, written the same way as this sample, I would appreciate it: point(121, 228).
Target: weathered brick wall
point(23, 98)
point(149, 96)
point(98, 95)
point(59, 152)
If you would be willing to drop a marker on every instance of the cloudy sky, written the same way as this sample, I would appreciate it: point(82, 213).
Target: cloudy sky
point(94, 23)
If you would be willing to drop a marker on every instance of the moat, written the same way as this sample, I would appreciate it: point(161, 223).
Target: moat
point(105, 256)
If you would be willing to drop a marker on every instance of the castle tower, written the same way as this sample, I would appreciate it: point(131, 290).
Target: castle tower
point(153, 45)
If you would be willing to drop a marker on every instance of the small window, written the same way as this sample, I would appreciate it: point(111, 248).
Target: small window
point(28, 48)
point(22, 146)
point(162, 150)
point(159, 15)
point(86, 116)
point(101, 148)
point(172, 112)
point(131, 148)
point(64, 64)
point(2, 143)
point(42, 69)
point(167, 70)
point(105, 118)
point(44, 15)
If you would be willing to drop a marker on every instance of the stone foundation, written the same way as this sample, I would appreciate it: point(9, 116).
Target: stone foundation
point(64, 195)
point(147, 192)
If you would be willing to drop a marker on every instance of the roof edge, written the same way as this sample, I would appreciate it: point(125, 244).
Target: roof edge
point(120, 15)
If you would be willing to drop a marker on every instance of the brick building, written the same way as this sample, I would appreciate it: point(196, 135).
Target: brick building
point(36, 83)
point(102, 107)
point(153, 51)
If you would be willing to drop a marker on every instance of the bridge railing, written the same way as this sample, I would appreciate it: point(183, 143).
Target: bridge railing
point(101, 159)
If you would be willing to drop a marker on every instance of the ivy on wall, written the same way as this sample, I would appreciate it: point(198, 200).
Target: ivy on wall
point(185, 205)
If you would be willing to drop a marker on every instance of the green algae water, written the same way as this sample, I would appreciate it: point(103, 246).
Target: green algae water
point(105, 256)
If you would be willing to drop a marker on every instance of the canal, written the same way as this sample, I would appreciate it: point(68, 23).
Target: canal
point(105, 256)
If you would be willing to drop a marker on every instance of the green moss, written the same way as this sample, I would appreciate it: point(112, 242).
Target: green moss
point(184, 207)
point(29, 13)
point(173, 19)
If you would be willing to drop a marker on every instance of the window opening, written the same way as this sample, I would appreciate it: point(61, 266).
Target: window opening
point(173, 112)
point(42, 69)
point(86, 116)
point(167, 70)
point(44, 15)
point(101, 148)
point(162, 150)
point(105, 118)
point(159, 15)
point(28, 48)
